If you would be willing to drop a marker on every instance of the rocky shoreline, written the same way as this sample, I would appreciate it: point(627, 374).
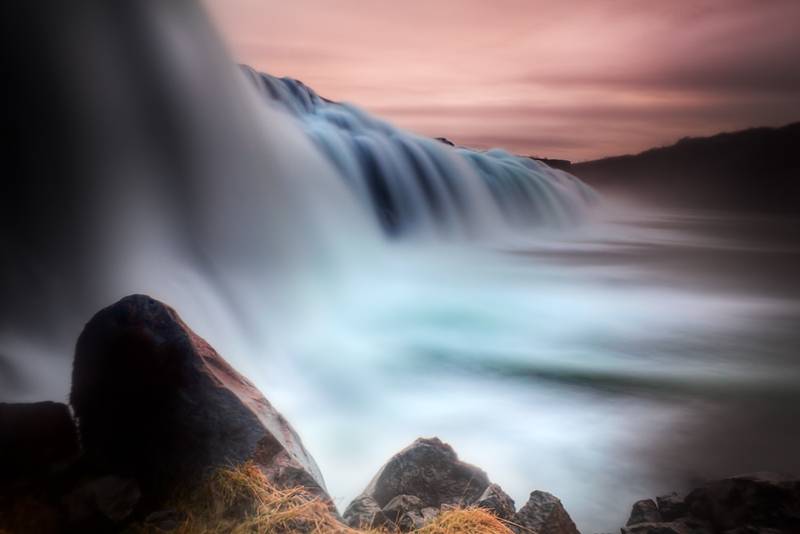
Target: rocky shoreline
point(154, 410)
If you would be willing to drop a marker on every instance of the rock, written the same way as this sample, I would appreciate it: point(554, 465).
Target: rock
point(165, 520)
point(430, 472)
point(671, 506)
point(364, 512)
point(544, 514)
point(108, 498)
point(405, 511)
point(498, 502)
point(445, 140)
point(156, 403)
point(644, 511)
point(35, 439)
point(758, 501)
point(681, 526)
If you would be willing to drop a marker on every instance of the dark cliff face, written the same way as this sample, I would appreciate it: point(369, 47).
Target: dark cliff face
point(754, 170)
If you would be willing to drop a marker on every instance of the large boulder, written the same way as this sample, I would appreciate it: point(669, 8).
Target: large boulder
point(35, 439)
point(416, 483)
point(544, 514)
point(156, 403)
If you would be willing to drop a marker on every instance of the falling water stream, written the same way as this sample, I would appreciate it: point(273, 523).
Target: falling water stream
point(379, 286)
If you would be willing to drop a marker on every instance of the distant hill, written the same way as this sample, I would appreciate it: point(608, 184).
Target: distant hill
point(752, 170)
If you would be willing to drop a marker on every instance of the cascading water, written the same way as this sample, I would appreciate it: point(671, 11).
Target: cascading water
point(417, 185)
point(146, 162)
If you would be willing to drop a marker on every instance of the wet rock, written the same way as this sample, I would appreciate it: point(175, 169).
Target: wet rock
point(428, 474)
point(431, 471)
point(757, 501)
point(498, 502)
point(644, 511)
point(155, 402)
point(671, 506)
point(544, 514)
point(36, 439)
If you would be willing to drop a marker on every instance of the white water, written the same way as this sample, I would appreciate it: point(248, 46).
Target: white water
point(322, 252)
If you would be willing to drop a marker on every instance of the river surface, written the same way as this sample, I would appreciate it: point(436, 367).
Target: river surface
point(638, 355)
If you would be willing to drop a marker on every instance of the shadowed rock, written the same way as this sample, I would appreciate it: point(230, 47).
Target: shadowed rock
point(35, 440)
point(761, 503)
point(544, 514)
point(756, 501)
point(155, 402)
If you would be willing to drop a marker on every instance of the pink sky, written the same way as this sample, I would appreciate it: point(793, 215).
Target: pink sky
point(576, 80)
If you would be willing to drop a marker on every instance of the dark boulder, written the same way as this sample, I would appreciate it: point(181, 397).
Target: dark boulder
point(644, 511)
point(156, 403)
point(757, 501)
point(35, 439)
point(419, 481)
point(544, 514)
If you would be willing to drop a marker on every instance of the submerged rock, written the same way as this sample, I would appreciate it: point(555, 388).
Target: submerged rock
point(155, 402)
point(417, 483)
point(544, 514)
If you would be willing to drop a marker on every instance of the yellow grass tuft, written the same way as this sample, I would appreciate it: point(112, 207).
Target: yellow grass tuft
point(465, 521)
point(241, 500)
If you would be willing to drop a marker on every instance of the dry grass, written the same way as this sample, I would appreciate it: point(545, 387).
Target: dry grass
point(465, 521)
point(242, 501)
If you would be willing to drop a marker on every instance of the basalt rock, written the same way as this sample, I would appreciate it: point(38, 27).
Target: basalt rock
point(544, 514)
point(155, 403)
point(420, 481)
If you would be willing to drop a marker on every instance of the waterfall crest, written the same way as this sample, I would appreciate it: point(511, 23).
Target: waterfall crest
point(418, 185)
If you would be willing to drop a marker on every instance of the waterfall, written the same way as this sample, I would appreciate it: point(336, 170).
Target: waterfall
point(417, 185)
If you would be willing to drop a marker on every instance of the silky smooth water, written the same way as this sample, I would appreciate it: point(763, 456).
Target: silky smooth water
point(378, 286)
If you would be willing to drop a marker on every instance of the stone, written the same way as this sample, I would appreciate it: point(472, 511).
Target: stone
point(165, 520)
point(498, 502)
point(155, 402)
point(36, 439)
point(644, 511)
point(427, 470)
point(101, 501)
point(431, 471)
point(671, 506)
point(544, 514)
point(758, 501)
point(364, 513)
point(681, 526)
